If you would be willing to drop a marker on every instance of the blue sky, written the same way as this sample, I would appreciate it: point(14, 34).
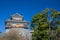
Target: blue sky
point(27, 8)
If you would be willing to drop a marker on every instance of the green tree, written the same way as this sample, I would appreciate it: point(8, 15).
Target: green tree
point(40, 25)
point(55, 24)
point(55, 18)
point(44, 29)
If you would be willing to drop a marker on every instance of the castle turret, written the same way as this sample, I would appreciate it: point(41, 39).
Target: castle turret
point(16, 21)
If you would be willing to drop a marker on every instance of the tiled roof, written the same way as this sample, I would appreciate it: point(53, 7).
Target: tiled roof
point(16, 21)
point(16, 15)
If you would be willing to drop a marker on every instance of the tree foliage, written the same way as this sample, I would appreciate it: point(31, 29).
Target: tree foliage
point(40, 24)
point(43, 27)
